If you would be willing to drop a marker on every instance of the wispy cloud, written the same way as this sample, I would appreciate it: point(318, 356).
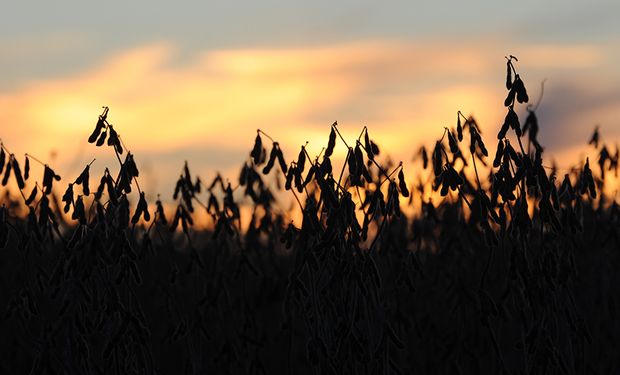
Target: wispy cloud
point(406, 92)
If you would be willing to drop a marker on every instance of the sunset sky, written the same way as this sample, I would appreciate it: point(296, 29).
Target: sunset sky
point(194, 81)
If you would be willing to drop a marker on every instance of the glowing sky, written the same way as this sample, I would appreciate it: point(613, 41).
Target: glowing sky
point(194, 81)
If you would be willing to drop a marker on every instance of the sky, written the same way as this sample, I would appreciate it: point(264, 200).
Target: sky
point(194, 80)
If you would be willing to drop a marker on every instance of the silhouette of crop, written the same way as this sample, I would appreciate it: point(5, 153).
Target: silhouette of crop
point(511, 270)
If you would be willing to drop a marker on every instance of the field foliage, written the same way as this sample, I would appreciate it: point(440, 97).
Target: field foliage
point(511, 267)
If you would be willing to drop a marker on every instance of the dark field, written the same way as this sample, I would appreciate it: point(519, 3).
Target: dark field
point(511, 269)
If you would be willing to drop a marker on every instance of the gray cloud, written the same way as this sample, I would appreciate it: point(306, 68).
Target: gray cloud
point(570, 112)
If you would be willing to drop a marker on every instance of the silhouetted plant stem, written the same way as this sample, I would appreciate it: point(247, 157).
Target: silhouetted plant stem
point(389, 176)
point(265, 134)
point(473, 158)
point(344, 165)
point(375, 162)
point(464, 197)
point(5, 148)
point(335, 127)
point(35, 159)
point(301, 206)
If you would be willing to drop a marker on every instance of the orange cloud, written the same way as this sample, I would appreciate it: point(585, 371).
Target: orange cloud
point(405, 92)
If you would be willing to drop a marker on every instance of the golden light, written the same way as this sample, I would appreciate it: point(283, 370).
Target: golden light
point(405, 92)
